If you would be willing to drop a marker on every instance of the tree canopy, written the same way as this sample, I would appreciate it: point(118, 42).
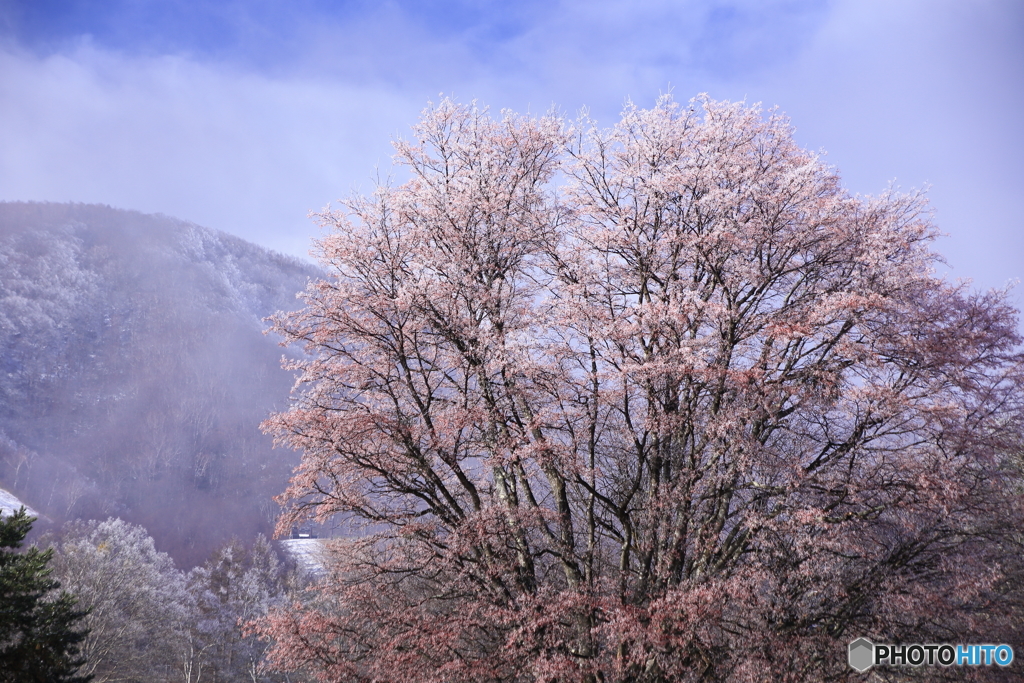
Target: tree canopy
point(661, 402)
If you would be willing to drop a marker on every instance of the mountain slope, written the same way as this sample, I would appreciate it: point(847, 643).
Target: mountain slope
point(134, 372)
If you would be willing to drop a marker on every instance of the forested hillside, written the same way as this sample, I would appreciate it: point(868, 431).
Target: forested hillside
point(134, 372)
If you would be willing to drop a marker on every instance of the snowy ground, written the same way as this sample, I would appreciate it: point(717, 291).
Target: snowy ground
point(9, 504)
point(307, 553)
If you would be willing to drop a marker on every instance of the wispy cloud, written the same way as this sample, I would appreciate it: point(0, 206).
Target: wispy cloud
point(236, 151)
point(244, 115)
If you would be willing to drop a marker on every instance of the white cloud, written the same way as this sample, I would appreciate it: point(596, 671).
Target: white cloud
point(922, 91)
point(234, 151)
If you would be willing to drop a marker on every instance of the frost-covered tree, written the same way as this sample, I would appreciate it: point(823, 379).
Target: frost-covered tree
point(236, 586)
point(697, 413)
point(139, 609)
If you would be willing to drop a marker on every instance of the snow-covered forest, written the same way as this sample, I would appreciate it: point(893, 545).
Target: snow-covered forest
point(96, 601)
point(135, 373)
point(134, 376)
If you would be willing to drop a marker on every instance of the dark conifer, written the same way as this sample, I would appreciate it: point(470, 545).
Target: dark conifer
point(39, 633)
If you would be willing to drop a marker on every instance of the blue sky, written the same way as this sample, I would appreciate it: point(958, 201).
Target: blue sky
point(243, 116)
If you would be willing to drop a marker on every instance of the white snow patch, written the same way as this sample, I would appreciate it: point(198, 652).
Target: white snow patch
point(307, 553)
point(9, 504)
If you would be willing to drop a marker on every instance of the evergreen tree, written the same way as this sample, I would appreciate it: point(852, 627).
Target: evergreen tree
point(39, 634)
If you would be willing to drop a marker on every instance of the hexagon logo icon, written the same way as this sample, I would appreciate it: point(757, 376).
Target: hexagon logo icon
point(862, 654)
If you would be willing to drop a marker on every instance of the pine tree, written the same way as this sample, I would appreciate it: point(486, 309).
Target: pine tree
point(39, 634)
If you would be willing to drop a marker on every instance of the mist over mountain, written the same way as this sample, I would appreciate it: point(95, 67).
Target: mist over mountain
point(134, 372)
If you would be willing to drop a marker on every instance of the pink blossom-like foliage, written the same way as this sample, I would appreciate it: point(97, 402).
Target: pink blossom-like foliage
point(656, 403)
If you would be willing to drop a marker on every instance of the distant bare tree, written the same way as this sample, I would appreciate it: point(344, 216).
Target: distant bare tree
point(138, 607)
point(234, 587)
